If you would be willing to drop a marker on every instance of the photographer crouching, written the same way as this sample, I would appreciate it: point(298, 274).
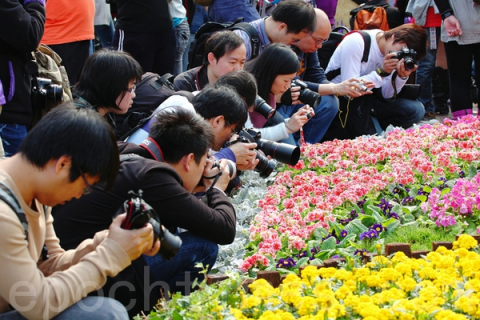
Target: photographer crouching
point(167, 167)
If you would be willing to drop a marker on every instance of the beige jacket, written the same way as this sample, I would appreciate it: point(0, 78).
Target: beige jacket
point(42, 289)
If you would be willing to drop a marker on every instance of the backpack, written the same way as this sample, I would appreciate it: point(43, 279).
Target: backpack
point(367, 17)
point(329, 46)
point(49, 67)
point(366, 51)
point(150, 92)
point(197, 47)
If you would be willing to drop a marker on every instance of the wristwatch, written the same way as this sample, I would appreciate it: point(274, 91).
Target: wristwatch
point(382, 72)
point(447, 14)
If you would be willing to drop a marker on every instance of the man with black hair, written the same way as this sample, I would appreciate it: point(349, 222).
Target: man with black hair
point(63, 156)
point(291, 20)
point(167, 167)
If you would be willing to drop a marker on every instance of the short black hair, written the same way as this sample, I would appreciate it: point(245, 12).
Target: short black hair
point(105, 76)
point(275, 59)
point(296, 14)
point(243, 82)
point(77, 132)
point(223, 101)
point(220, 43)
point(181, 132)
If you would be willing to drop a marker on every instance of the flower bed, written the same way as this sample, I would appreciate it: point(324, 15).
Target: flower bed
point(443, 285)
point(345, 197)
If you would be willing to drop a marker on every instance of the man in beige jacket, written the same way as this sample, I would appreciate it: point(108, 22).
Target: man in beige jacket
point(69, 150)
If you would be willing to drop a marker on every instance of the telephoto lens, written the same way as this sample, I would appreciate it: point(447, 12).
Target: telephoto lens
point(263, 108)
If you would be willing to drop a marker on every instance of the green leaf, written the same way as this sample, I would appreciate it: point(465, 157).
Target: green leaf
point(427, 189)
point(368, 220)
point(316, 262)
point(445, 191)
point(302, 261)
point(421, 198)
point(351, 229)
point(319, 233)
point(329, 244)
point(349, 237)
point(408, 218)
point(176, 315)
point(322, 255)
point(393, 226)
point(472, 171)
point(359, 225)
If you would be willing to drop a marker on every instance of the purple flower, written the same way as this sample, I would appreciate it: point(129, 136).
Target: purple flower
point(286, 263)
point(360, 252)
point(394, 215)
point(344, 233)
point(462, 174)
point(364, 235)
point(377, 227)
point(372, 234)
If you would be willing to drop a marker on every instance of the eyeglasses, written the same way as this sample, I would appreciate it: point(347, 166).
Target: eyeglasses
point(131, 90)
point(319, 42)
point(88, 188)
point(233, 130)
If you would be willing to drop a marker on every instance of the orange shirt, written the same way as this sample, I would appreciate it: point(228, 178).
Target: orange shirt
point(68, 21)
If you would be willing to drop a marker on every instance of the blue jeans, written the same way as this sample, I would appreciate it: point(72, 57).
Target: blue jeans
point(179, 272)
point(12, 136)
point(424, 72)
point(92, 308)
point(230, 10)
point(104, 33)
point(315, 128)
point(182, 35)
point(399, 112)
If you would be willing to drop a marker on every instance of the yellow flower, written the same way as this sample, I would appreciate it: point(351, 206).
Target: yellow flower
point(407, 284)
point(399, 257)
point(449, 315)
point(250, 302)
point(465, 241)
point(404, 268)
point(469, 305)
point(276, 315)
point(306, 305)
point(326, 273)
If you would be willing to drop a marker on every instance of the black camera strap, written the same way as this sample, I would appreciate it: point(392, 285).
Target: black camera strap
point(153, 148)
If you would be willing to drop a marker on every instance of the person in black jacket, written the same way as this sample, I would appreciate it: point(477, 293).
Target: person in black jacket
point(167, 168)
point(25, 21)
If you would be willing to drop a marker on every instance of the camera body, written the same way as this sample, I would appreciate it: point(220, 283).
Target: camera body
point(263, 108)
point(307, 96)
point(43, 91)
point(232, 167)
point(140, 213)
point(409, 56)
point(282, 152)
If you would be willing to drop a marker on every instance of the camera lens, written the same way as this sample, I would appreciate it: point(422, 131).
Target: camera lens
point(264, 167)
point(409, 63)
point(263, 108)
point(169, 244)
point(283, 152)
point(54, 93)
point(310, 97)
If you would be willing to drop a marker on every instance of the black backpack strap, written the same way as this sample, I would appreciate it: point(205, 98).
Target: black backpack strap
point(7, 196)
point(252, 34)
point(366, 51)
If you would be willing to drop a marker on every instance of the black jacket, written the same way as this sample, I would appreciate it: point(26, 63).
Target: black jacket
point(22, 28)
point(191, 80)
point(143, 16)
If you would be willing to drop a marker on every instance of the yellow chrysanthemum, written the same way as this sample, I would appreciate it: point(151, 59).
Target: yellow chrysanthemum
point(465, 241)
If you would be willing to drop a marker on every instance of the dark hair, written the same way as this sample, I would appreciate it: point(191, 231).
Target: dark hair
point(223, 101)
point(275, 59)
point(296, 14)
point(77, 132)
point(105, 76)
point(241, 81)
point(181, 132)
point(414, 36)
point(220, 43)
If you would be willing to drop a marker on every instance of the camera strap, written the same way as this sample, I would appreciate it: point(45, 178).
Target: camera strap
point(153, 148)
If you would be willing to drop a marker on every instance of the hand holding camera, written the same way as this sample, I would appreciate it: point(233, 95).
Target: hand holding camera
point(218, 173)
point(245, 154)
point(409, 63)
point(139, 214)
point(299, 118)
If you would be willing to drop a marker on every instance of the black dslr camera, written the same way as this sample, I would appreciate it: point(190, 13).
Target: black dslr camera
point(409, 56)
point(140, 213)
point(307, 96)
point(282, 152)
point(43, 90)
point(263, 108)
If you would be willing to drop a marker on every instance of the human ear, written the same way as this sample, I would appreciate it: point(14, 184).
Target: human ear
point(187, 161)
point(63, 163)
point(211, 58)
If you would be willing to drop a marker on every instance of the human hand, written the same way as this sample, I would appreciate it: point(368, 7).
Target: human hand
point(211, 172)
point(390, 63)
point(452, 26)
point(245, 155)
point(133, 242)
point(299, 118)
point(402, 71)
point(295, 92)
point(354, 88)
